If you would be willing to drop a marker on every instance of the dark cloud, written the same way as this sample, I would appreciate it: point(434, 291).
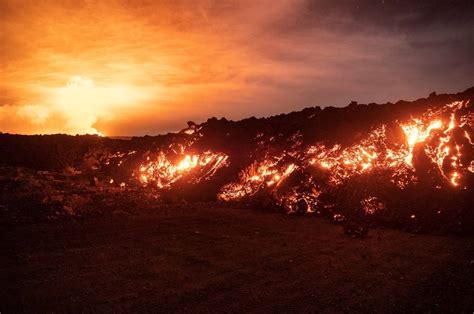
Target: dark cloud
point(394, 15)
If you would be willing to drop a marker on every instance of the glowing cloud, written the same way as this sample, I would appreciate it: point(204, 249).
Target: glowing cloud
point(73, 108)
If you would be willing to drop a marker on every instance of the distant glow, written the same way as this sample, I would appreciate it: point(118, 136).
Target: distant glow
point(83, 103)
point(74, 107)
point(35, 113)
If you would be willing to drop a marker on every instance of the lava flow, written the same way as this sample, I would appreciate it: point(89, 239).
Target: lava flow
point(404, 169)
point(442, 135)
point(164, 173)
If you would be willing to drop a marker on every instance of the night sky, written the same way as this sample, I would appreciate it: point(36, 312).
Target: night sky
point(147, 67)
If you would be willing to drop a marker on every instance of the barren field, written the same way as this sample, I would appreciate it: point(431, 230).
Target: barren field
point(229, 260)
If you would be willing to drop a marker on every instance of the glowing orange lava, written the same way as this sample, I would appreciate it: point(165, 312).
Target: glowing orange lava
point(375, 152)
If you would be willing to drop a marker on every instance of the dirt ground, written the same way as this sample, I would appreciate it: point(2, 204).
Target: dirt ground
point(228, 260)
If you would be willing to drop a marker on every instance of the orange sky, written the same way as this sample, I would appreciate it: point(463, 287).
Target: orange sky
point(145, 67)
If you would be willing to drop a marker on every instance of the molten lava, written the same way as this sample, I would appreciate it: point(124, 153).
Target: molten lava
point(430, 151)
point(433, 131)
point(163, 172)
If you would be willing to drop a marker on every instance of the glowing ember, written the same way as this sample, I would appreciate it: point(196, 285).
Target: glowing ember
point(371, 205)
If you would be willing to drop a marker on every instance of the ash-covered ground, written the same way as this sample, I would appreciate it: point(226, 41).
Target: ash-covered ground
point(196, 258)
point(361, 208)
